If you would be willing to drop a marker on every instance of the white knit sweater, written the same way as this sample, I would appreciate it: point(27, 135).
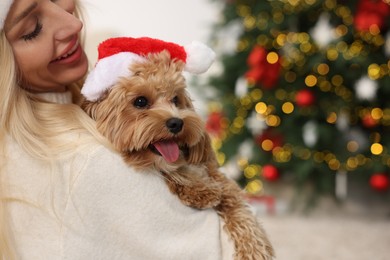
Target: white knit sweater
point(94, 207)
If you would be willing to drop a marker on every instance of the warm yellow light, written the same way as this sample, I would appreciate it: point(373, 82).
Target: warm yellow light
point(250, 172)
point(310, 2)
point(261, 108)
point(238, 122)
point(323, 69)
point(374, 71)
point(293, 2)
point(281, 39)
point(332, 118)
point(356, 48)
point(325, 86)
point(310, 81)
point(272, 57)
point(305, 154)
point(330, 4)
point(216, 143)
point(303, 37)
point(332, 54)
point(341, 30)
point(377, 113)
point(278, 17)
point(281, 155)
point(267, 145)
point(243, 10)
point(305, 47)
point(221, 158)
point(337, 80)
point(254, 187)
point(319, 157)
point(249, 22)
point(334, 164)
point(246, 100)
point(342, 46)
point(273, 120)
point(376, 148)
point(288, 107)
point(352, 163)
point(374, 29)
point(256, 94)
point(242, 163)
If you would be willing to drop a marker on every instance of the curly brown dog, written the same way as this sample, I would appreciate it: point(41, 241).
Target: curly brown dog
point(151, 120)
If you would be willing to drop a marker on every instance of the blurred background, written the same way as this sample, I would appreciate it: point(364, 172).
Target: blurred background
point(297, 104)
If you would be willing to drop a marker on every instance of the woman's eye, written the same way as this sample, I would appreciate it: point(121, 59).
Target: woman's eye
point(33, 34)
point(141, 102)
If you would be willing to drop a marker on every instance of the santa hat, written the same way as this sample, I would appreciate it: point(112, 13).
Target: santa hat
point(4, 9)
point(115, 56)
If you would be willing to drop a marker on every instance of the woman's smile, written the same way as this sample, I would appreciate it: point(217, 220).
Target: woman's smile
point(72, 54)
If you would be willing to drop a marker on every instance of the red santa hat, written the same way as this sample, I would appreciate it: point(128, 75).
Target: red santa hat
point(115, 55)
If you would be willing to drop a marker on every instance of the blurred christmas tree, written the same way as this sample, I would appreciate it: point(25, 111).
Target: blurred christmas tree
point(303, 93)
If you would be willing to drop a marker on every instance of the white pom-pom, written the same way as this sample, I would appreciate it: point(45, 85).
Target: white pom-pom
point(199, 57)
point(106, 74)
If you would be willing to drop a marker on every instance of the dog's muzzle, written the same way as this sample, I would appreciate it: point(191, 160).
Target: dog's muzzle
point(174, 124)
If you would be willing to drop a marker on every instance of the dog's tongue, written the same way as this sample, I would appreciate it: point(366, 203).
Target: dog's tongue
point(168, 149)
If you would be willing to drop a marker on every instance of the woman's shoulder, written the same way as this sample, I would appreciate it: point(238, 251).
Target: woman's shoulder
point(117, 209)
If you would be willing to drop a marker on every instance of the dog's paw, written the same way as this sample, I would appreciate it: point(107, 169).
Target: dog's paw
point(200, 195)
point(204, 196)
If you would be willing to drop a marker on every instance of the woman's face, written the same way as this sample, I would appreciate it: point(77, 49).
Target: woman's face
point(44, 35)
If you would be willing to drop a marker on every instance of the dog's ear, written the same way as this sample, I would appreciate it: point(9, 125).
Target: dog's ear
point(187, 101)
point(89, 108)
point(202, 152)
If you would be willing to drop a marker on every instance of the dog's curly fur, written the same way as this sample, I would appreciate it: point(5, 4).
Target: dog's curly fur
point(134, 115)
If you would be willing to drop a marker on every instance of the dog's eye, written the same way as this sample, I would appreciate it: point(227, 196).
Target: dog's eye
point(175, 101)
point(141, 102)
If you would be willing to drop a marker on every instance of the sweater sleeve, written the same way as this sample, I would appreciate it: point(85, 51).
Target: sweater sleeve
point(115, 212)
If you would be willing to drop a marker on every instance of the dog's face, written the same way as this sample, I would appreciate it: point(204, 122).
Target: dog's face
point(150, 118)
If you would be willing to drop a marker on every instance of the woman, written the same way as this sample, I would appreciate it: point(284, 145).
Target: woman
point(64, 193)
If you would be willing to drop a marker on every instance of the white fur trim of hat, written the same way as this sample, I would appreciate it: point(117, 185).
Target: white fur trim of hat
point(117, 54)
point(4, 9)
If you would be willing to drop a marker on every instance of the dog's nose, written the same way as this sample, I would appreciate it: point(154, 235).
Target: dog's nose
point(175, 125)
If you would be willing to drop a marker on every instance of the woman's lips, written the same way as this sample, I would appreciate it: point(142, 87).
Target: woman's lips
point(73, 54)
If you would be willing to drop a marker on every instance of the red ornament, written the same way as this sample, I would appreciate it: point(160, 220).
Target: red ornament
point(369, 13)
point(379, 181)
point(368, 121)
point(304, 98)
point(257, 56)
point(255, 74)
point(260, 70)
point(270, 172)
point(276, 138)
point(214, 123)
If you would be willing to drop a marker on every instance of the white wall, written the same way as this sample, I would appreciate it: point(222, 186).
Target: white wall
point(180, 21)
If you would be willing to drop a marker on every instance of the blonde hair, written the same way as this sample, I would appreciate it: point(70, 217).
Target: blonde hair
point(37, 126)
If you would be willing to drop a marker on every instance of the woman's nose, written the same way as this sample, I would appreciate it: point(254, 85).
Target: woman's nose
point(67, 25)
